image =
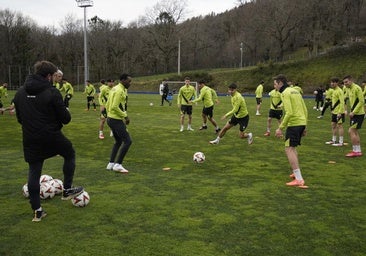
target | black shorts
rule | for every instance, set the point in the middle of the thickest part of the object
(90, 98)
(186, 109)
(337, 120)
(259, 100)
(208, 111)
(275, 114)
(356, 121)
(243, 122)
(293, 135)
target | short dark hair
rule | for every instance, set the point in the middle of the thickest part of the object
(110, 80)
(281, 78)
(102, 81)
(187, 78)
(124, 76)
(202, 81)
(334, 79)
(233, 86)
(44, 68)
(347, 77)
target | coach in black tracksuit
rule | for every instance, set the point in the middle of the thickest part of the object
(42, 113)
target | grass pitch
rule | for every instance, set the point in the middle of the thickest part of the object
(235, 203)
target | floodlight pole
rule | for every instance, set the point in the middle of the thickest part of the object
(241, 55)
(84, 4)
(179, 57)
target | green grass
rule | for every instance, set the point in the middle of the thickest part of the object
(235, 203)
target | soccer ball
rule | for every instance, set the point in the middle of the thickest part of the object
(81, 200)
(151, 104)
(58, 185)
(199, 157)
(315, 92)
(45, 178)
(25, 190)
(46, 190)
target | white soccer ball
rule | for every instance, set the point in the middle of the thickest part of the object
(45, 178)
(199, 157)
(46, 190)
(81, 200)
(58, 185)
(315, 92)
(25, 190)
(151, 104)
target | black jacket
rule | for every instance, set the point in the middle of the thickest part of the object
(40, 110)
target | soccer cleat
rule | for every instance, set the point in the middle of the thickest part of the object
(330, 142)
(110, 166)
(250, 138)
(111, 134)
(217, 130)
(319, 117)
(353, 154)
(101, 136)
(181, 129)
(296, 183)
(119, 168)
(267, 134)
(257, 114)
(203, 127)
(215, 141)
(292, 176)
(190, 129)
(337, 144)
(38, 215)
(71, 193)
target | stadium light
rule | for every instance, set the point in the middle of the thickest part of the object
(84, 4)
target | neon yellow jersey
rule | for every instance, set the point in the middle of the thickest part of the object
(214, 95)
(103, 95)
(275, 100)
(116, 103)
(296, 113)
(205, 96)
(67, 87)
(89, 90)
(239, 109)
(259, 91)
(328, 94)
(3, 92)
(338, 101)
(356, 99)
(186, 93)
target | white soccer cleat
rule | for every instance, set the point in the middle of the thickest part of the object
(190, 129)
(215, 141)
(110, 166)
(250, 138)
(119, 168)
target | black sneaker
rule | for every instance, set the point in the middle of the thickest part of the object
(203, 127)
(217, 130)
(38, 215)
(71, 193)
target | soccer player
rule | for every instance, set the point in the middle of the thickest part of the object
(185, 95)
(69, 91)
(258, 97)
(356, 114)
(338, 116)
(328, 100)
(295, 121)
(103, 97)
(239, 115)
(117, 119)
(57, 80)
(90, 93)
(164, 95)
(41, 112)
(275, 110)
(3, 93)
(208, 105)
